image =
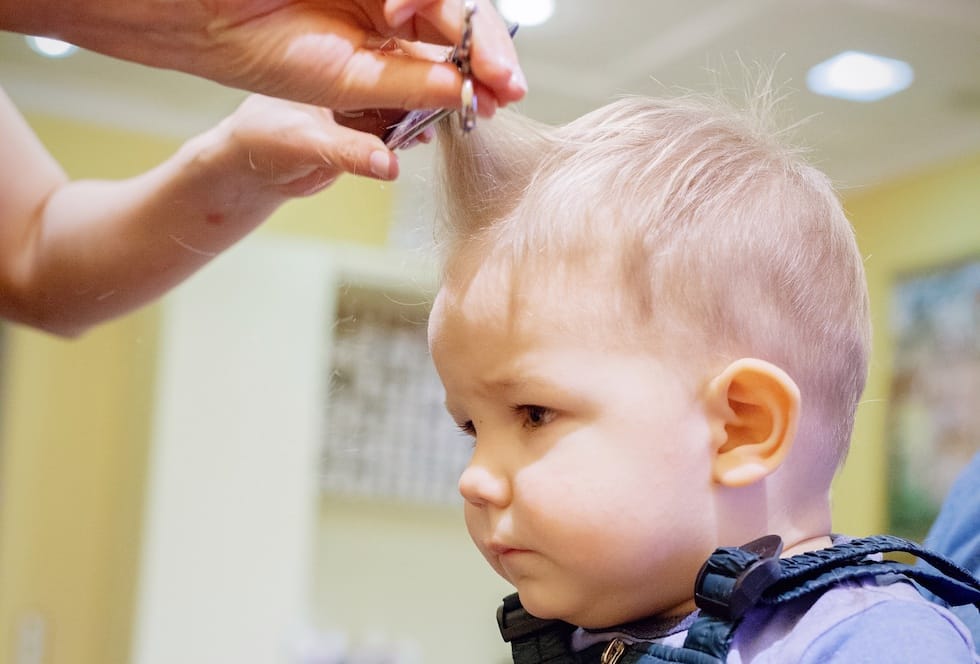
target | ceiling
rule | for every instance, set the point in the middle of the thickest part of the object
(590, 52)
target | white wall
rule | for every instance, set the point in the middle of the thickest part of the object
(232, 489)
(244, 560)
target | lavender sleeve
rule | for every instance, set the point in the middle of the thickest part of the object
(896, 632)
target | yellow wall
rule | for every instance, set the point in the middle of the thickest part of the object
(75, 422)
(905, 226)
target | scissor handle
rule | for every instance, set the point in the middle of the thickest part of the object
(415, 122)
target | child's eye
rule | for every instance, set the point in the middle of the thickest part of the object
(535, 416)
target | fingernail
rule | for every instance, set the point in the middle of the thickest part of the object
(380, 163)
(518, 84)
(488, 107)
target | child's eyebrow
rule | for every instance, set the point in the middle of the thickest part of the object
(499, 384)
(508, 384)
(503, 385)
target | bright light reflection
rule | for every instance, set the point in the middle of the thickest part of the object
(526, 12)
(50, 48)
(858, 76)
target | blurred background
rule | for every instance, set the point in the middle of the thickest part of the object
(257, 469)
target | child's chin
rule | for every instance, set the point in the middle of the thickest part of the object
(543, 607)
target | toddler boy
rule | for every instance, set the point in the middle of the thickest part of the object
(653, 322)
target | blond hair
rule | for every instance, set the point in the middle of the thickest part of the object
(725, 240)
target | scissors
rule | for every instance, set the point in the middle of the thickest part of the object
(415, 122)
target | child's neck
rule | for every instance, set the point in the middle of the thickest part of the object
(809, 544)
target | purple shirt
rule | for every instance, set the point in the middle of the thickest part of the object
(854, 622)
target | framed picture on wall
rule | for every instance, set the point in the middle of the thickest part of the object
(388, 434)
(934, 411)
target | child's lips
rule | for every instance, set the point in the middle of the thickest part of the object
(503, 549)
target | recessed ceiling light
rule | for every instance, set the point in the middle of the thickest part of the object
(858, 76)
(50, 48)
(526, 12)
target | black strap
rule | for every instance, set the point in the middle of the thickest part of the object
(809, 574)
(733, 580)
(955, 584)
(532, 639)
(953, 591)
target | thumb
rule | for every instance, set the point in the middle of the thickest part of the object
(341, 150)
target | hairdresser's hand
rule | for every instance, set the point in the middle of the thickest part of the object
(289, 149)
(333, 53)
(74, 253)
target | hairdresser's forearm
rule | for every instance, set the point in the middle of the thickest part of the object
(162, 33)
(105, 248)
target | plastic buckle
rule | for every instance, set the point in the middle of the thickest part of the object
(720, 594)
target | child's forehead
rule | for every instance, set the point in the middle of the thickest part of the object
(531, 281)
(539, 295)
(542, 302)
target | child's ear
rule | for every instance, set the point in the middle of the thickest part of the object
(753, 407)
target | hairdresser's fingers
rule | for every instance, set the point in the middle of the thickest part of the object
(377, 80)
(298, 149)
(336, 61)
(331, 150)
(493, 58)
(487, 102)
(422, 50)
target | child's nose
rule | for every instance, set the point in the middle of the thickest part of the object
(483, 485)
